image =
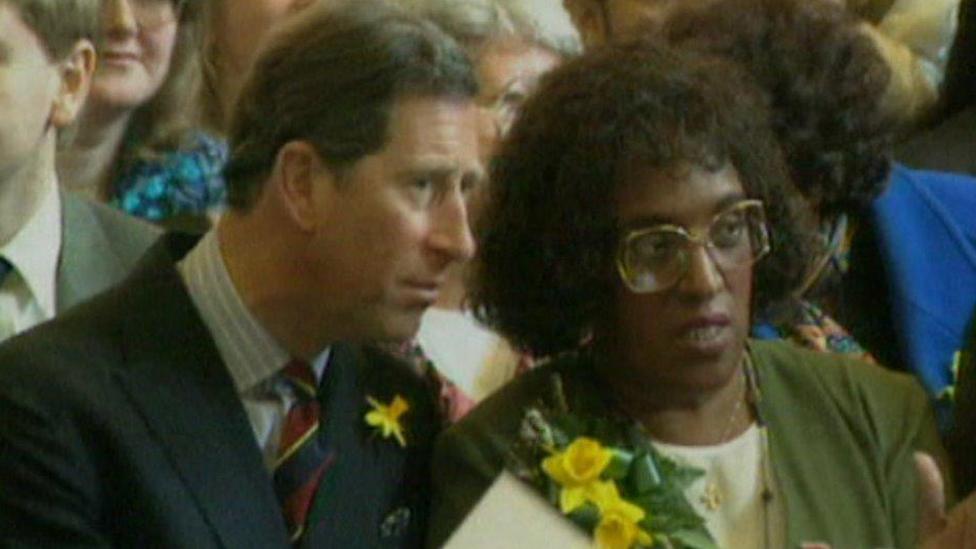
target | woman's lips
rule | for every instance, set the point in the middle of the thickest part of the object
(706, 334)
(119, 57)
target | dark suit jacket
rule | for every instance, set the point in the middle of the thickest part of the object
(119, 425)
(99, 246)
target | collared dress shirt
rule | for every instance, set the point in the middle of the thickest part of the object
(28, 293)
(252, 356)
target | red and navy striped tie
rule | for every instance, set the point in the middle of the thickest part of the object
(302, 455)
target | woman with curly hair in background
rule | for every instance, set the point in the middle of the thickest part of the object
(899, 267)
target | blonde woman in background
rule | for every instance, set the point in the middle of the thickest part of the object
(512, 44)
(137, 146)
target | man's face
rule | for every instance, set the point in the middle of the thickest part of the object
(394, 223)
(29, 83)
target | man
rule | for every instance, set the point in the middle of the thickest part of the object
(208, 401)
(55, 249)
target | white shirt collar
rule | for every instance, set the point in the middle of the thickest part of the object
(251, 354)
(35, 249)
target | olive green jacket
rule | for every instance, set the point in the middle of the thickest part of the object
(841, 433)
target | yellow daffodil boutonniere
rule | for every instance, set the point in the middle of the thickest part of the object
(385, 418)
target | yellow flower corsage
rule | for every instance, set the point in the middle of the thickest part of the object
(385, 418)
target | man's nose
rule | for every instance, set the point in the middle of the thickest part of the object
(451, 234)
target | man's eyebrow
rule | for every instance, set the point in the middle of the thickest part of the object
(439, 170)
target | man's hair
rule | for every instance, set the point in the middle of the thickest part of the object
(476, 23)
(825, 81)
(59, 24)
(331, 78)
(545, 276)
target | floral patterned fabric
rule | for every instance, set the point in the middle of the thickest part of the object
(183, 182)
(809, 326)
(814, 329)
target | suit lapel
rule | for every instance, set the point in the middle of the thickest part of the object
(85, 265)
(187, 398)
(360, 501)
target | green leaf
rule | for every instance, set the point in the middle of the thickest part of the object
(619, 464)
(644, 474)
(587, 516)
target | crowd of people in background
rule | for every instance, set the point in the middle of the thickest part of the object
(300, 272)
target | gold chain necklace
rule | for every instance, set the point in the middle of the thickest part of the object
(712, 498)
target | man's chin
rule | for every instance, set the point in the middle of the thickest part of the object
(402, 327)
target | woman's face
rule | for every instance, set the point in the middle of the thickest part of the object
(688, 336)
(508, 72)
(132, 65)
(240, 25)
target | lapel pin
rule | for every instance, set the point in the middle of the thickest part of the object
(395, 524)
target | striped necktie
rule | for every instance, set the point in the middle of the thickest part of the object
(302, 456)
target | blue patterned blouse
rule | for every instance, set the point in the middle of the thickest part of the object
(187, 181)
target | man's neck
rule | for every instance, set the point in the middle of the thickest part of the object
(88, 165)
(22, 190)
(250, 249)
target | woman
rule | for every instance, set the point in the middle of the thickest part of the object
(626, 236)
(900, 265)
(512, 44)
(136, 146)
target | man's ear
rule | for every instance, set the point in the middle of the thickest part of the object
(589, 18)
(76, 71)
(302, 181)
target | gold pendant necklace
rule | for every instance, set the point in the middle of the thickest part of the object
(712, 497)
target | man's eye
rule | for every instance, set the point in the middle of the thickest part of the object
(423, 183)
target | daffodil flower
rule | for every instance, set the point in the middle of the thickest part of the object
(577, 469)
(619, 526)
(386, 417)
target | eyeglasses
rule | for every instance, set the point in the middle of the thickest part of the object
(505, 105)
(653, 259)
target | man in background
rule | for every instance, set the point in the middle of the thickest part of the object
(55, 249)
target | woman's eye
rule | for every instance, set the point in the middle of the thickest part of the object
(729, 232)
(656, 248)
